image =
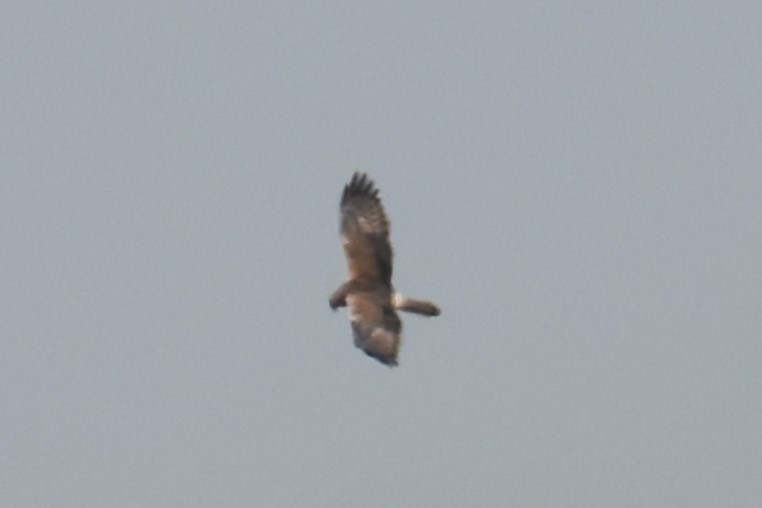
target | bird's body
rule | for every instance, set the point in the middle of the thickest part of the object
(368, 292)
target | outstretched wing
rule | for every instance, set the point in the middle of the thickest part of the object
(365, 232)
(376, 328)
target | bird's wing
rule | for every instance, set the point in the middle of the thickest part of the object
(365, 232)
(376, 328)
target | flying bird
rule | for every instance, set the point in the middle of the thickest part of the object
(368, 292)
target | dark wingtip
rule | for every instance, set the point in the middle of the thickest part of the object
(389, 362)
(359, 185)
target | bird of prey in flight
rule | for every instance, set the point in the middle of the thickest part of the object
(368, 292)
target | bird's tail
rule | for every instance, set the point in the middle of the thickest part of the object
(417, 306)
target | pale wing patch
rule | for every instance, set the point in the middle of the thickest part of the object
(372, 225)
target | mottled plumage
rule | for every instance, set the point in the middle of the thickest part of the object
(368, 292)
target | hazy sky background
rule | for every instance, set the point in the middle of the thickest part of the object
(577, 184)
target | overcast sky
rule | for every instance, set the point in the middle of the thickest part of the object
(577, 184)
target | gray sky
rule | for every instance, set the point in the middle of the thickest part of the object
(577, 184)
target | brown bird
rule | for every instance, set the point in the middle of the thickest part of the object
(368, 292)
